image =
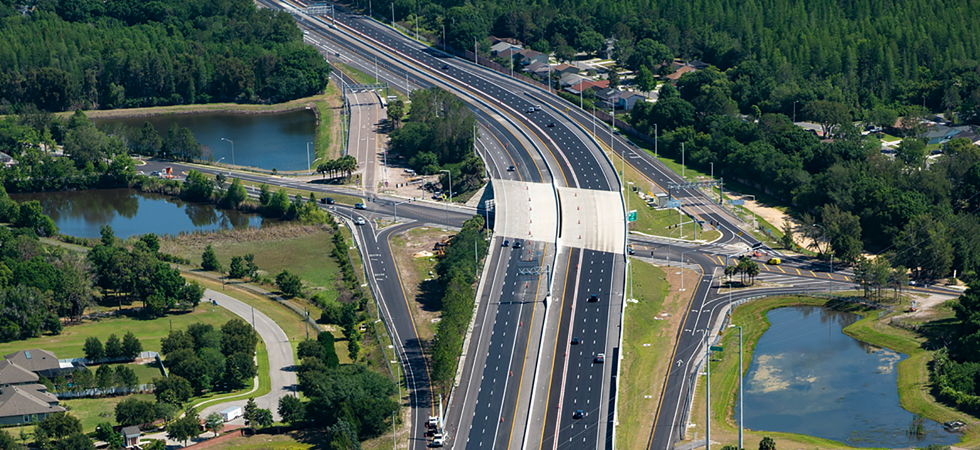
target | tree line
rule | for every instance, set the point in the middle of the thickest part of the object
(203, 358)
(96, 55)
(439, 136)
(862, 53)
(851, 197)
(457, 271)
(138, 274)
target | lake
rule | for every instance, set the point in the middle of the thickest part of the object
(808, 377)
(131, 212)
(268, 141)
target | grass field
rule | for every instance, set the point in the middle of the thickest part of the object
(304, 251)
(70, 342)
(913, 382)
(649, 329)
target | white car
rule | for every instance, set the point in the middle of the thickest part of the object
(360, 221)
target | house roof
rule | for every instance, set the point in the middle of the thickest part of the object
(509, 53)
(586, 84)
(680, 71)
(566, 68)
(570, 79)
(627, 95)
(131, 432)
(17, 401)
(530, 54)
(942, 131)
(35, 360)
(11, 373)
(501, 46)
(607, 93)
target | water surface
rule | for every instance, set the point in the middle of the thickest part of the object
(131, 212)
(269, 141)
(808, 377)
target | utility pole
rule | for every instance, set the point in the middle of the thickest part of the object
(307, 322)
(253, 317)
(682, 161)
(476, 51)
(656, 140)
(393, 14)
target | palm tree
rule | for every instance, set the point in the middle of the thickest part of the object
(730, 272)
(752, 268)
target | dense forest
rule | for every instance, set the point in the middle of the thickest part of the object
(89, 54)
(861, 53)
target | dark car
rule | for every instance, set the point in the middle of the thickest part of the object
(575, 341)
(578, 414)
(506, 243)
(511, 169)
(327, 200)
(359, 206)
(551, 124)
(517, 244)
(445, 67)
(593, 298)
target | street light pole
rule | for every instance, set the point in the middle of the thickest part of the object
(794, 110)
(309, 165)
(656, 140)
(683, 167)
(740, 395)
(450, 191)
(232, 149)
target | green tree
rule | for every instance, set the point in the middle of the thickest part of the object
(236, 194)
(76, 441)
(265, 194)
(125, 377)
(187, 427)
(105, 377)
(113, 347)
(166, 411)
(912, 152)
(767, 444)
(175, 389)
(237, 268)
(396, 110)
(180, 144)
(843, 231)
(291, 285)
(239, 367)
(648, 53)
(292, 410)
(788, 239)
(93, 349)
(590, 42)
(882, 117)
(613, 77)
(214, 423)
(197, 186)
(131, 346)
(645, 80)
(278, 205)
(60, 425)
(209, 260)
(237, 336)
(255, 416)
(830, 115)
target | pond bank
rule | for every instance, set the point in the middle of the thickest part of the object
(912, 377)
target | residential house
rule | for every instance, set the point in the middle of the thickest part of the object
(564, 69)
(131, 437)
(971, 136)
(586, 84)
(7, 160)
(940, 134)
(26, 403)
(607, 98)
(680, 71)
(627, 100)
(570, 79)
(510, 54)
(41, 362)
(501, 46)
(11, 375)
(539, 69)
(531, 56)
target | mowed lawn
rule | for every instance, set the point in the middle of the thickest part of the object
(70, 343)
(306, 255)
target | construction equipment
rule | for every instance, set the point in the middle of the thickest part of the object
(169, 173)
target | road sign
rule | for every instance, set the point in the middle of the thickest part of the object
(673, 204)
(717, 348)
(631, 216)
(736, 202)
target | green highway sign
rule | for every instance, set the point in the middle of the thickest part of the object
(717, 348)
(631, 216)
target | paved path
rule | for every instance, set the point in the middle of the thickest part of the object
(281, 367)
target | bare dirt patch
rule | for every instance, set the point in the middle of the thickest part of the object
(421, 287)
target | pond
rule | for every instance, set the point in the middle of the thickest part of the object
(131, 212)
(808, 377)
(268, 141)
